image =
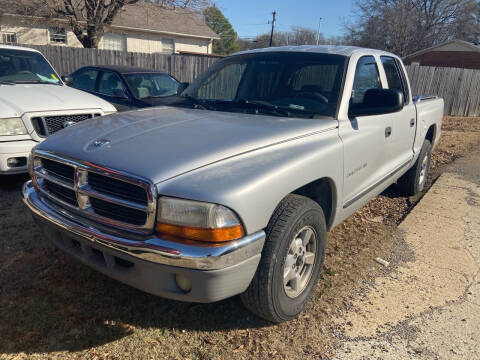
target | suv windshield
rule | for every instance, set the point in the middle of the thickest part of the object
(273, 83)
(25, 67)
(145, 85)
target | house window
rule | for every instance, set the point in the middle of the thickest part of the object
(168, 46)
(58, 35)
(9, 38)
(113, 41)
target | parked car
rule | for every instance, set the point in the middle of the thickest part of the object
(35, 103)
(127, 87)
(235, 194)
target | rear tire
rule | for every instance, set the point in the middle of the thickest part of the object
(291, 262)
(414, 180)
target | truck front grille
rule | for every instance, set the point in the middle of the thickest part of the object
(118, 212)
(48, 125)
(60, 192)
(120, 189)
(55, 168)
(107, 196)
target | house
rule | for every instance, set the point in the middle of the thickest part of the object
(142, 27)
(455, 53)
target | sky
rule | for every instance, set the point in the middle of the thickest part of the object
(249, 17)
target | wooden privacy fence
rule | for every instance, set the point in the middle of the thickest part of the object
(184, 68)
(460, 88)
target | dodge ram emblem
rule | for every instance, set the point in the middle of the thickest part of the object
(68, 123)
(100, 143)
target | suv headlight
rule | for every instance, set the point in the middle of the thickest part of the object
(13, 126)
(197, 220)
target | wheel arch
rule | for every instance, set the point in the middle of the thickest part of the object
(323, 191)
(431, 133)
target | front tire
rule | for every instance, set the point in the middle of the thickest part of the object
(413, 181)
(291, 262)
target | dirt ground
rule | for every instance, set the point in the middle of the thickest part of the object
(54, 307)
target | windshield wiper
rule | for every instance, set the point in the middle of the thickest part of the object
(274, 109)
(197, 103)
(35, 82)
(7, 83)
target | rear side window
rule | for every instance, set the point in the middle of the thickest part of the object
(366, 77)
(394, 77)
(85, 80)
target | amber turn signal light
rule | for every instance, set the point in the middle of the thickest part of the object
(211, 235)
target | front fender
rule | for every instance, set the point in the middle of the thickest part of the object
(253, 184)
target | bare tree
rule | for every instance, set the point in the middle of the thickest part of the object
(298, 35)
(405, 26)
(88, 19)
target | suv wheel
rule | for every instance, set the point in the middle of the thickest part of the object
(291, 261)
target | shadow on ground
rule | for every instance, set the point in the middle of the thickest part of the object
(51, 303)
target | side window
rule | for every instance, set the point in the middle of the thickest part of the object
(85, 80)
(392, 72)
(406, 92)
(366, 77)
(110, 84)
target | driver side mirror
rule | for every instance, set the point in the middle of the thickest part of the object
(182, 87)
(377, 102)
(68, 80)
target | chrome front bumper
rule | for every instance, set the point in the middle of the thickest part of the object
(145, 247)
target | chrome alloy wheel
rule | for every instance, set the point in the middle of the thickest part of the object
(423, 172)
(298, 266)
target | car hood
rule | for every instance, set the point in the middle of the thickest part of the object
(15, 100)
(161, 143)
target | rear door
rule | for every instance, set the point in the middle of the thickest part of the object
(366, 139)
(403, 127)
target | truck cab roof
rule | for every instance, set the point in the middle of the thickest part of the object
(321, 49)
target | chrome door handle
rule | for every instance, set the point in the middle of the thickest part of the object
(412, 122)
(388, 131)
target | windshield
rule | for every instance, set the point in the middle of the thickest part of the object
(283, 84)
(145, 85)
(24, 67)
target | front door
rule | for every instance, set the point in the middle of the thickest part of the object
(366, 139)
(112, 89)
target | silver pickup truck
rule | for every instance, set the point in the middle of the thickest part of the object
(232, 191)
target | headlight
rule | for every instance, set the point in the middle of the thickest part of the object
(197, 220)
(13, 126)
(109, 112)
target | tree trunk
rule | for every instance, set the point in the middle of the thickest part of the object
(92, 38)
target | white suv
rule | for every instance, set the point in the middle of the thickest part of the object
(35, 103)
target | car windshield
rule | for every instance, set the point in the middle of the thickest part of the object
(272, 83)
(146, 85)
(26, 67)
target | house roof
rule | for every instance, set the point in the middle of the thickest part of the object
(465, 44)
(143, 17)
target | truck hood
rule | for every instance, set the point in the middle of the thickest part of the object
(161, 143)
(15, 100)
